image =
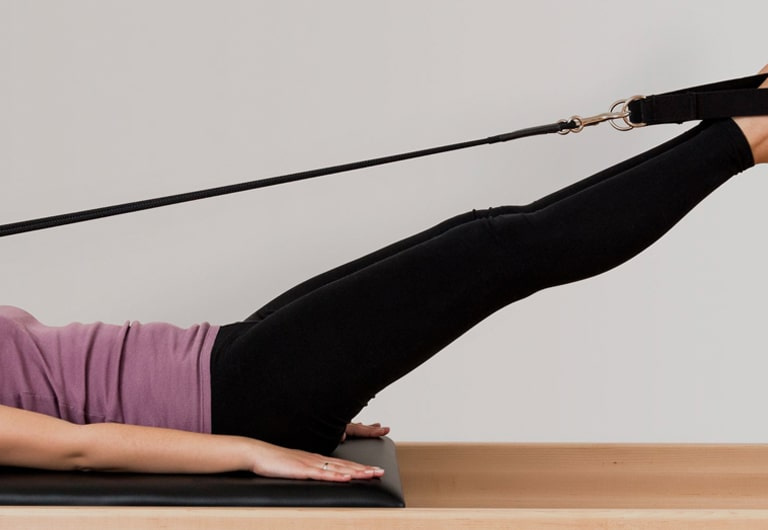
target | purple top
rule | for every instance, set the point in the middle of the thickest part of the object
(142, 374)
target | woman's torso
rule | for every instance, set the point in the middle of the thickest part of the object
(144, 374)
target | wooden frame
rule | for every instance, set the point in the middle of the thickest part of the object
(511, 486)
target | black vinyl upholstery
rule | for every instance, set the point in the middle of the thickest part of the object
(35, 487)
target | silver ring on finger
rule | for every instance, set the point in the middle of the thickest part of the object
(325, 466)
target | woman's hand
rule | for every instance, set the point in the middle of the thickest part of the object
(358, 430)
(275, 461)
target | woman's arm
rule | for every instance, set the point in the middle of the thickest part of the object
(29, 439)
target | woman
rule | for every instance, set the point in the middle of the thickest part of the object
(275, 392)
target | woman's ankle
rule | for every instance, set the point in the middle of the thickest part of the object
(757, 136)
(755, 129)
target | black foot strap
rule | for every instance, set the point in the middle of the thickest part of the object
(725, 99)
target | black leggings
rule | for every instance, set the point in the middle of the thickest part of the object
(299, 369)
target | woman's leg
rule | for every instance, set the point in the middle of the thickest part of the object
(351, 267)
(297, 377)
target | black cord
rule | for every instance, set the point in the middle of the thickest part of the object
(108, 211)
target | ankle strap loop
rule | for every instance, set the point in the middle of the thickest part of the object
(726, 99)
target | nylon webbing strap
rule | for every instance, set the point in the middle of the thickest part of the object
(725, 99)
(737, 97)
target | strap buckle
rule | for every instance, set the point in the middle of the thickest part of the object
(615, 117)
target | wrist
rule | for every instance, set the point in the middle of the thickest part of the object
(251, 454)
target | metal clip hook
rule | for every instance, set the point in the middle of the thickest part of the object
(613, 116)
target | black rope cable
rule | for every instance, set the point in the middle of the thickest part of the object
(119, 209)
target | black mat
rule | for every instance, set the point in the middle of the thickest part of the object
(34, 487)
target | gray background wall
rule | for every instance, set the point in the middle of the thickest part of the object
(106, 101)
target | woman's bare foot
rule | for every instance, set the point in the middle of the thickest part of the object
(755, 129)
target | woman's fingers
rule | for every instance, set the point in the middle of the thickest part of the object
(275, 461)
(346, 468)
(373, 430)
(318, 467)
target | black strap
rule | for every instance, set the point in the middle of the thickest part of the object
(736, 97)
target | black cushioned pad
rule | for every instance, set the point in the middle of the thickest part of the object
(34, 487)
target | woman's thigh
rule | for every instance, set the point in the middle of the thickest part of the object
(299, 376)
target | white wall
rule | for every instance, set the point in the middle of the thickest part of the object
(107, 101)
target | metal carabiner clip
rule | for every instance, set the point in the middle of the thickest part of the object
(614, 117)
